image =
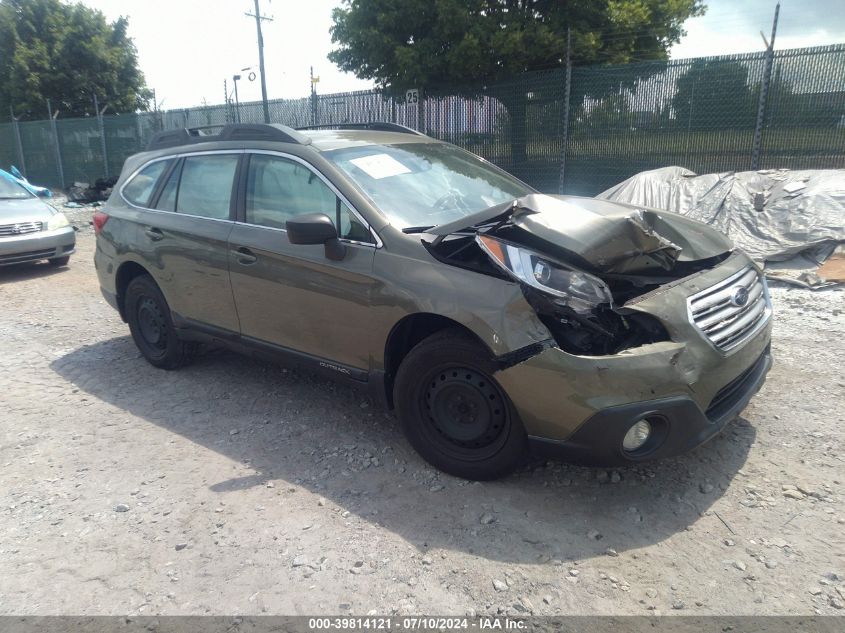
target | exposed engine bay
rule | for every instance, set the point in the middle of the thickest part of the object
(579, 261)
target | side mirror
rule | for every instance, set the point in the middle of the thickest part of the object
(316, 228)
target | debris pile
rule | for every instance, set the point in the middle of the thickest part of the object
(84, 193)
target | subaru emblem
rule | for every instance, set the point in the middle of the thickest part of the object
(739, 297)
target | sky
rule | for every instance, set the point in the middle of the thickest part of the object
(186, 48)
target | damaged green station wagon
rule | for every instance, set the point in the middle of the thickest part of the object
(495, 319)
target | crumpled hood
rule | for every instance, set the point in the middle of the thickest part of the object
(24, 210)
(614, 237)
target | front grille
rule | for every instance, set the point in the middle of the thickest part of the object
(20, 228)
(730, 312)
(29, 256)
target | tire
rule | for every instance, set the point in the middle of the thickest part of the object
(59, 261)
(152, 327)
(454, 413)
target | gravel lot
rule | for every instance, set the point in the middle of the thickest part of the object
(235, 486)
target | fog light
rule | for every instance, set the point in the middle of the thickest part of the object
(636, 436)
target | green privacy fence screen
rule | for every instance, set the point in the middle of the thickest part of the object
(697, 113)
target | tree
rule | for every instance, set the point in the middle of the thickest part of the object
(66, 53)
(485, 45)
(714, 94)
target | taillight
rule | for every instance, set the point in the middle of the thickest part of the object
(100, 220)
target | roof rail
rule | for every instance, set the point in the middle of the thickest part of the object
(228, 132)
(380, 126)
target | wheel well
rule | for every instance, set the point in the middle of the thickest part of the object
(405, 335)
(125, 274)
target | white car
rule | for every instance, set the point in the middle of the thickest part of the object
(31, 229)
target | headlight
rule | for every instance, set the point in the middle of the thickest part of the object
(57, 221)
(575, 289)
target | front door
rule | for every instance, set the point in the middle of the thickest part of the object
(292, 296)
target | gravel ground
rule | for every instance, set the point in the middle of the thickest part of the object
(235, 486)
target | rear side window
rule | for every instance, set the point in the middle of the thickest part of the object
(167, 199)
(139, 189)
(205, 188)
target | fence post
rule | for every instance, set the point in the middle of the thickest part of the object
(567, 91)
(18, 142)
(756, 150)
(102, 129)
(55, 132)
(421, 111)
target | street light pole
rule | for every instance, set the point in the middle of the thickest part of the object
(258, 18)
(237, 103)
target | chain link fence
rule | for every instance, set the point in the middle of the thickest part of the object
(579, 131)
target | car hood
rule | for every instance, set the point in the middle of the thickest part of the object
(607, 236)
(24, 210)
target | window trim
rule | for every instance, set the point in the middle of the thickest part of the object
(239, 190)
(230, 220)
(377, 243)
(155, 192)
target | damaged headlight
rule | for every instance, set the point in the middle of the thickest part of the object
(575, 289)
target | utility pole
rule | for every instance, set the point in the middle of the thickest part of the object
(258, 18)
(764, 95)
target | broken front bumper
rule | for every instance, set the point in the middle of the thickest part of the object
(678, 424)
(580, 407)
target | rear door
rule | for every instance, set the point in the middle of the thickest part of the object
(187, 234)
(292, 296)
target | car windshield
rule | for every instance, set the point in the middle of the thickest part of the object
(426, 184)
(11, 190)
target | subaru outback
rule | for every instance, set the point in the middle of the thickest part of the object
(496, 320)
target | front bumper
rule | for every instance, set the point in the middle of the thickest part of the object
(32, 247)
(678, 424)
(577, 406)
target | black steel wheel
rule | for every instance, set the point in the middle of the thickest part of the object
(151, 326)
(465, 412)
(453, 411)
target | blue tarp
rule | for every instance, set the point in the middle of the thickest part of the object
(16, 176)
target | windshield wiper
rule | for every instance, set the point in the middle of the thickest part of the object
(416, 229)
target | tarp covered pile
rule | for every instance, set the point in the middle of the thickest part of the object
(774, 215)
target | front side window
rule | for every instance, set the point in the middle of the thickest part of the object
(139, 190)
(425, 184)
(279, 189)
(205, 188)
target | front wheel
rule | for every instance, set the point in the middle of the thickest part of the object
(453, 411)
(152, 328)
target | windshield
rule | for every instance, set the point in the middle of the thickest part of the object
(11, 190)
(426, 184)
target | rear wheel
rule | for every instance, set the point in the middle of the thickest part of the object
(453, 411)
(152, 328)
(59, 261)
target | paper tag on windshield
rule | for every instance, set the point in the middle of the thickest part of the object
(380, 166)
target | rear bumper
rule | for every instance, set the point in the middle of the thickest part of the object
(678, 424)
(32, 247)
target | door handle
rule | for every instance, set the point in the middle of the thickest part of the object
(244, 256)
(154, 234)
